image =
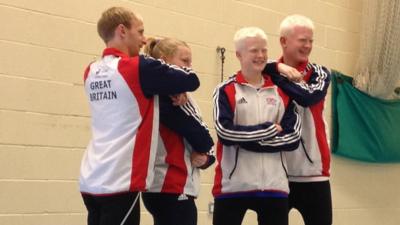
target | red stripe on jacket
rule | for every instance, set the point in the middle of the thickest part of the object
(141, 153)
(230, 92)
(320, 133)
(175, 178)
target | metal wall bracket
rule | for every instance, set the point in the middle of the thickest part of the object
(221, 52)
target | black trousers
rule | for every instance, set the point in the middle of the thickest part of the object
(170, 209)
(270, 211)
(313, 200)
(120, 209)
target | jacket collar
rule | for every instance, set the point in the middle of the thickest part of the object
(302, 68)
(241, 80)
(114, 51)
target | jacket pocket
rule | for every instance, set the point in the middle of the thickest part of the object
(305, 151)
(236, 162)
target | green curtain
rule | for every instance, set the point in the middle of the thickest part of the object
(364, 127)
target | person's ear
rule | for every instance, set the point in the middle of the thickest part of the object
(120, 30)
(283, 41)
(238, 55)
(164, 58)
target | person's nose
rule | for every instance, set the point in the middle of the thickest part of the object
(261, 54)
(308, 44)
(144, 40)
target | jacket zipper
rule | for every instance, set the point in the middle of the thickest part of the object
(283, 166)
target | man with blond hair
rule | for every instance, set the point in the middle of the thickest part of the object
(307, 83)
(122, 89)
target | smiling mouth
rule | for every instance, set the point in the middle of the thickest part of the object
(304, 52)
(260, 62)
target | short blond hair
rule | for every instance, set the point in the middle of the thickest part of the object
(247, 32)
(166, 47)
(111, 18)
(293, 21)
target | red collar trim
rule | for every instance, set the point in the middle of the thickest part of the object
(114, 51)
(301, 68)
(241, 80)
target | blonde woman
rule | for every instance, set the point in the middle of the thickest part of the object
(183, 146)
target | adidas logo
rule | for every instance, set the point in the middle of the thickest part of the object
(242, 101)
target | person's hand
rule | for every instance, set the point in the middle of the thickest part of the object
(289, 72)
(279, 128)
(179, 99)
(198, 159)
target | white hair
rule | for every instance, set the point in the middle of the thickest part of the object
(247, 32)
(293, 21)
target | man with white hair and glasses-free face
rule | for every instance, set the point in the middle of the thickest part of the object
(255, 121)
(307, 83)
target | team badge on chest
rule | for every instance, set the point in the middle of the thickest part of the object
(271, 101)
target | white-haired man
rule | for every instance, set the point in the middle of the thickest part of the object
(307, 83)
(254, 121)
